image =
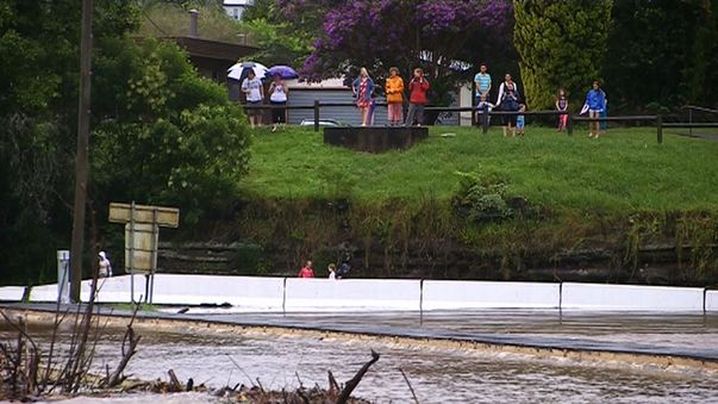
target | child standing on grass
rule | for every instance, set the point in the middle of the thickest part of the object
(484, 107)
(521, 122)
(562, 106)
(595, 104)
(395, 97)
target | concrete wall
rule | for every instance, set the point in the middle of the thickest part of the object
(630, 297)
(257, 292)
(11, 293)
(352, 294)
(440, 295)
(293, 294)
(711, 300)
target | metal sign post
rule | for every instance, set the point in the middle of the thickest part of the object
(142, 228)
(63, 276)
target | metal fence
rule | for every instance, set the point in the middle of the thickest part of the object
(482, 118)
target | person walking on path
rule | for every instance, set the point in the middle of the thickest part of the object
(394, 97)
(307, 271)
(363, 88)
(332, 271)
(254, 93)
(105, 265)
(278, 93)
(508, 101)
(595, 104)
(562, 106)
(418, 87)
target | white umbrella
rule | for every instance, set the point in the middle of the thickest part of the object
(238, 71)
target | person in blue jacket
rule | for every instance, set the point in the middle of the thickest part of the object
(595, 103)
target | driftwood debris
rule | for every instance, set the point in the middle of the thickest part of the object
(354, 381)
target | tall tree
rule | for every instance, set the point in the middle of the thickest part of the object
(655, 57)
(407, 34)
(561, 44)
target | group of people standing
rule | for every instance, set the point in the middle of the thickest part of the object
(307, 270)
(509, 100)
(363, 88)
(253, 88)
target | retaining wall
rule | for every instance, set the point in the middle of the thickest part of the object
(711, 302)
(446, 295)
(588, 296)
(11, 293)
(352, 294)
(294, 294)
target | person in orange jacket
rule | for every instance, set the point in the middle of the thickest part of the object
(418, 87)
(395, 97)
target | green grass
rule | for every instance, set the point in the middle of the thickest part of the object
(626, 170)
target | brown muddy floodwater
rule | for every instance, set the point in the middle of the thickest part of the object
(439, 374)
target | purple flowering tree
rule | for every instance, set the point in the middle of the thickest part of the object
(379, 34)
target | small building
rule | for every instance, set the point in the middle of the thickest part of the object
(213, 58)
(235, 8)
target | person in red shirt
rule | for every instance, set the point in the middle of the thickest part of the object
(418, 87)
(307, 271)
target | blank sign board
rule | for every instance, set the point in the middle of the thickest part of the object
(160, 215)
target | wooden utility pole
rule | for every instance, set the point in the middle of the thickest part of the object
(82, 160)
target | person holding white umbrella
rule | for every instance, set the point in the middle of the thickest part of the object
(254, 93)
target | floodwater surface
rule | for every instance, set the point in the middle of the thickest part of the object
(441, 374)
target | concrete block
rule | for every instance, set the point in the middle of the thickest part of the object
(712, 300)
(450, 295)
(589, 296)
(11, 293)
(352, 294)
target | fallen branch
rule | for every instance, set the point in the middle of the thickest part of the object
(175, 385)
(129, 349)
(354, 381)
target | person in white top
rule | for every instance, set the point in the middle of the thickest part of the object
(278, 93)
(105, 265)
(254, 93)
(332, 271)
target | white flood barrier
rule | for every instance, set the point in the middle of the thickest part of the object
(352, 294)
(261, 293)
(586, 296)
(11, 293)
(711, 300)
(450, 295)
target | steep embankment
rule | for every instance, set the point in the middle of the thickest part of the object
(547, 206)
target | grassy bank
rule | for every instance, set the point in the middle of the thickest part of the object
(622, 208)
(627, 170)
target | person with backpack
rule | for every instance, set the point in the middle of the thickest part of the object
(344, 269)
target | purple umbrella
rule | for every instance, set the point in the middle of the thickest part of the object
(285, 72)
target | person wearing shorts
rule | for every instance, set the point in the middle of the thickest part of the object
(254, 93)
(278, 93)
(596, 103)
